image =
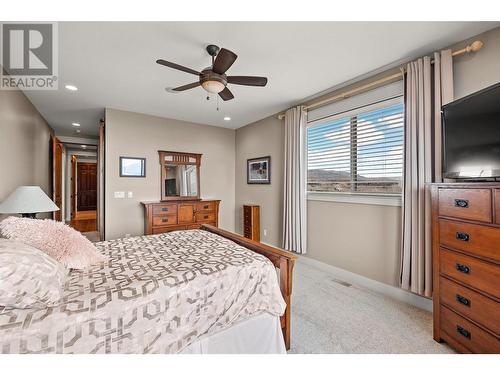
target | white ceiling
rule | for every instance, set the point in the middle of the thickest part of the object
(113, 65)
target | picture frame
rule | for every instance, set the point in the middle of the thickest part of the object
(259, 171)
(132, 166)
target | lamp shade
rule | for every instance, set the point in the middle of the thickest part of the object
(27, 199)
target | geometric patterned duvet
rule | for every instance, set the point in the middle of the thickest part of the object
(156, 294)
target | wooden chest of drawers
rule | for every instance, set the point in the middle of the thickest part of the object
(160, 217)
(466, 265)
(251, 222)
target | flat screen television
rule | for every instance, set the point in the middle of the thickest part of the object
(471, 136)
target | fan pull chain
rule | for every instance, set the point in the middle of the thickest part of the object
(217, 103)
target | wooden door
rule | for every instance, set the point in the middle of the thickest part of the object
(186, 213)
(86, 186)
(100, 181)
(73, 186)
(57, 152)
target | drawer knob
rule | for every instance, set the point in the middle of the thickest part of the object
(462, 203)
(205, 206)
(164, 209)
(205, 217)
(463, 300)
(463, 332)
(462, 268)
(462, 236)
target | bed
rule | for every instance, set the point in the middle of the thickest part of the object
(194, 291)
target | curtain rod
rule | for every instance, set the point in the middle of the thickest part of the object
(474, 47)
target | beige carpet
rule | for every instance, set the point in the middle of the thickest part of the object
(328, 317)
(92, 236)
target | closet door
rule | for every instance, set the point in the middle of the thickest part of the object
(57, 153)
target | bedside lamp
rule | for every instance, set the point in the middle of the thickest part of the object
(27, 201)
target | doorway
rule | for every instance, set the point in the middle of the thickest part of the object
(76, 181)
(82, 179)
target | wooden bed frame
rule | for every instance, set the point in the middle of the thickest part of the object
(281, 259)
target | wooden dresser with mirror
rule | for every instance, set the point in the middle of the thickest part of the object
(180, 207)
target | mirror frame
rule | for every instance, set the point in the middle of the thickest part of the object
(179, 158)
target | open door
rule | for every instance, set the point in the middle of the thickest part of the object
(57, 156)
(100, 181)
(73, 187)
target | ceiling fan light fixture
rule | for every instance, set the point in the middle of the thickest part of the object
(213, 86)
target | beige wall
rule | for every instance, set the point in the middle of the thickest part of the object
(24, 145)
(139, 135)
(475, 71)
(360, 238)
(262, 138)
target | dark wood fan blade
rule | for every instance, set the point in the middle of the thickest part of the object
(225, 58)
(226, 94)
(247, 80)
(177, 66)
(187, 87)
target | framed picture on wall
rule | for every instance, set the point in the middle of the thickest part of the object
(259, 170)
(132, 167)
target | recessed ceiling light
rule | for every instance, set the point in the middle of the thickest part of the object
(75, 124)
(71, 88)
(83, 146)
(227, 118)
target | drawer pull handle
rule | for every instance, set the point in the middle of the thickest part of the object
(463, 300)
(462, 236)
(205, 217)
(205, 206)
(463, 332)
(164, 209)
(462, 268)
(164, 220)
(462, 203)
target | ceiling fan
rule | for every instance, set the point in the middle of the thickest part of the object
(213, 79)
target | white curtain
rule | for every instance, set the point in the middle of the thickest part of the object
(427, 88)
(294, 200)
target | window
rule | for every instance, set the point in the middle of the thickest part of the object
(358, 153)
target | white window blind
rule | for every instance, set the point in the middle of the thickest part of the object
(360, 151)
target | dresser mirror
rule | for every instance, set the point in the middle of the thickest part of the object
(180, 175)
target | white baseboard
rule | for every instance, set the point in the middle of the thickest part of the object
(385, 289)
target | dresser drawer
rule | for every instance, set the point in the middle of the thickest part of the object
(205, 216)
(472, 204)
(205, 206)
(475, 306)
(476, 273)
(164, 209)
(164, 220)
(476, 239)
(468, 334)
(247, 220)
(247, 228)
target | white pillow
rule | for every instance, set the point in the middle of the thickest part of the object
(29, 278)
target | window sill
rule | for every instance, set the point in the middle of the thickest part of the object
(356, 198)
